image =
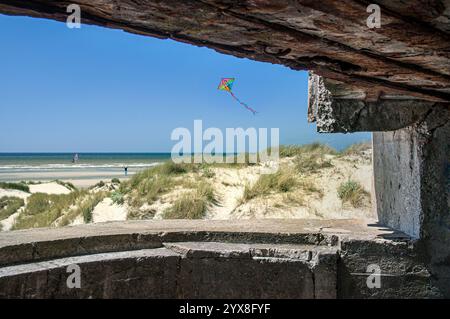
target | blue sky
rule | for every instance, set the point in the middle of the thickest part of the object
(100, 90)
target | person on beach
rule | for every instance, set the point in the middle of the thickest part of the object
(126, 171)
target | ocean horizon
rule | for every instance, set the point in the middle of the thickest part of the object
(89, 168)
(59, 160)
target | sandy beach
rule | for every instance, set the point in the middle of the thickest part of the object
(305, 184)
(80, 179)
(82, 170)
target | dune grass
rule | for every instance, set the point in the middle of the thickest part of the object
(117, 197)
(84, 208)
(282, 181)
(311, 163)
(314, 148)
(87, 206)
(352, 192)
(356, 148)
(193, 204)
(17, 186)
(67, 185)
(9, 206)
(309, 188)
(43, 210)
(148, 185)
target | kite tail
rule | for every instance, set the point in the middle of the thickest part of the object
(243, 104)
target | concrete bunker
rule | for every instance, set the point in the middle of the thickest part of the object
(382, 80)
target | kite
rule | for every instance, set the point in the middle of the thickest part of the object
(226, 84)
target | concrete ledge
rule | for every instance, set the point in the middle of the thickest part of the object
(41, 244)
(213, 259)
(205, 270)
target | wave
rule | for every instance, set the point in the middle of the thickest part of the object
(76, 166)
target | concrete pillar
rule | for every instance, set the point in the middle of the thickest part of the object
(412, 184)
(411, 158)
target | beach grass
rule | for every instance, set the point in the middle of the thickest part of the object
(9, 206)
(67, 185)
(356, 148)
(282, 181)
(16, 186)
(352, 192)
(192, 205)
(307, 163)
(117, 197)
(88, 205)
(313, 148)
(85, 208)
(43, 210)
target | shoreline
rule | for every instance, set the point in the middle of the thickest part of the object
(79, 178)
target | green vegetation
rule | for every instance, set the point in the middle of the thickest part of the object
(115, 181)
(310, 188)
(356, 148)
(67, 185)
(147, 186)
(43, 209)
(85, 208)
(192, 205)
(282, 181)
(136, 214)
(314, 148)
(311, 163)
(17, 186)
(117, 197)
(353, 193)
(9, 206)
(208, 172)
(88, 206)
(99, 185)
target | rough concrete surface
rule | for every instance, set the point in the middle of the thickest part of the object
(284, 260)
(411, 186)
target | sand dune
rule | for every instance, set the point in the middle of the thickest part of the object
(49, 188)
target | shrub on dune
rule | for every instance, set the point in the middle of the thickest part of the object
(17, 186)
(353, 193)
(9, 206)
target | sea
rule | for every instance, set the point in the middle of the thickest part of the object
(51, 166)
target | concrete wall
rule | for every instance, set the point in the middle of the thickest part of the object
(215, 259)
(411, 169)
(397, 180)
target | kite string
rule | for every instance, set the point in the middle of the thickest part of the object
(242, 103)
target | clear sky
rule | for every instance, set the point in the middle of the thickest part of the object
(100, 90)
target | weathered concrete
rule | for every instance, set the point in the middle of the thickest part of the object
(340, 108)
(411, 185)
(44, 243)
(132, 274)
(405, 56)
(253, 259)
(204, 270)
(404, 271)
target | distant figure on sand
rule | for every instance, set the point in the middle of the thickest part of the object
(126, 171)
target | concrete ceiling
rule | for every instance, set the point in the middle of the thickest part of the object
(408, 56)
